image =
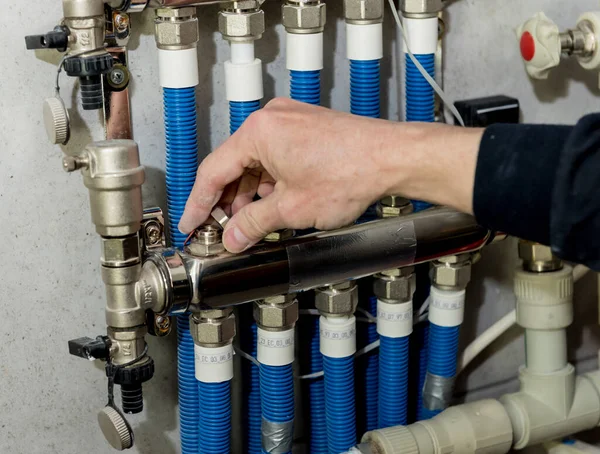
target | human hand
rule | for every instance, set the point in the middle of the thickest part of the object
(311, 166)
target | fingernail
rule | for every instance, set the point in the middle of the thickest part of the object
(234, 240)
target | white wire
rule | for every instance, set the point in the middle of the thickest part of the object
(424, 306)
(247, 356)
(363, 351)
(310, 376)
(448, 102)
(366, 313)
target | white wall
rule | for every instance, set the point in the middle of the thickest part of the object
(51, 289)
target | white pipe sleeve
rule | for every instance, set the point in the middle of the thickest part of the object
(304, 52)
(178, 68)
(275, 348)
(244, 82)
(546, 351)
(394, 320)
(446, 307)
(242, 53)
(422, 35)
(337, 336)
(364, 42)
(213, 364)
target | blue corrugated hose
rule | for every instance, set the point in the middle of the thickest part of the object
(305, 86)
(365, 88)
(182, 163)
(422, 333)
(420, 99)
(393, 381)
(239, 111)
(277, 394)
(340, 405)
(443, 355)
(316, 387)
(372, 372)
(215, 417)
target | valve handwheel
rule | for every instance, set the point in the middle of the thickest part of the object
(540, 45)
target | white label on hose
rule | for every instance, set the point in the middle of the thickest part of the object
(304, 52)
(364, 42)
(214, 364)
(244, 82)
(275, 348)
(394, 320)
(338, 336)
(178, 68)
(446, 307)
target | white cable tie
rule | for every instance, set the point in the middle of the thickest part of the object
(368, 348)
(310, 376)
(424, 306)
(448, 102)
(247, 356)
(370, 317)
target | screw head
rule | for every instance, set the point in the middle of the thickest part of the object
(117, 76)
(121, 21)
(153, 234)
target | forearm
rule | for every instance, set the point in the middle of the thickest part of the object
(438, 166)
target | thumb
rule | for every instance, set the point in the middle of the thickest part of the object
(252, 223)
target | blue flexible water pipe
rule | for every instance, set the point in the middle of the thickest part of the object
(182, 163)
(305, 86)
(239, 111)
(443, 355)
(339, 403)
(393, 381)
(215, 417)
(422, 338)
(316, 390)
(371, 373)
(365, 88)
(277, 394)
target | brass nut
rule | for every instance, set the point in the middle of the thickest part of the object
(363, 10)
(280, 235)
(168, 13)
(213, 314)
(304, 18)
(213, 331)
(451, 276)
(396, 288)
(176, 34)
(242, 26)
(340, 299)
(534, 252)
(393, 206)
(204, 250)
(280, 315)
(118, 252)
(429, 7)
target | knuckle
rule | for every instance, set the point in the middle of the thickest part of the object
(252, 223)
(279, 103)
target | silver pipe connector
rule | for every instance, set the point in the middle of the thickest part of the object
(364, 12)
(176, 28)
(421, 9)
(242, 21)
(303, 18)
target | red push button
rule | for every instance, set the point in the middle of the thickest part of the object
(527, 46)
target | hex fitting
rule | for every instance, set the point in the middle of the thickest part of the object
(304, 17)
(393, 206)
(363, 12)
(278, 313)
(452, 272)
(176, 28)
(206, 241)
(395, 286)
(126, 344)
(213, 328)
(242, 23)
(420, 9)
(538, 258)
(279, 235)
(337, 299)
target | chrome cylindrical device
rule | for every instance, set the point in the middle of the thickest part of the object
(114, 176)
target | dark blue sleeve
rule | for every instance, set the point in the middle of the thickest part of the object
(542, 183)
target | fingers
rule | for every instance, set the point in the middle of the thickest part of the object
(220, 168)
(246, 190)
(252, 223)
(266, 185)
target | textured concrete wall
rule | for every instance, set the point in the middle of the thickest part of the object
(51, 289)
